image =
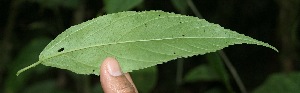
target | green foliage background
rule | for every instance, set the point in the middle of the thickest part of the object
(27, 26)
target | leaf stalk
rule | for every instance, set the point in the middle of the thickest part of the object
(24, 69)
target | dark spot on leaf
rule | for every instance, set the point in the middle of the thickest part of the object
(158, 15)
(174, 53)
(180, 22)
(183, 35)
(61, 49)
(93, 70)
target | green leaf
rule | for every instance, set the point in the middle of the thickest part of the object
(137, 40)
(113, 6)
(281, 83)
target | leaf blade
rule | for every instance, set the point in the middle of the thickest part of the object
(137, 40)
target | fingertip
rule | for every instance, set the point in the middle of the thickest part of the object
(111, 65)
(106, 61)
(113, 80)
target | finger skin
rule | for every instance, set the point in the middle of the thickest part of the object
(115, 84)
(130, 80)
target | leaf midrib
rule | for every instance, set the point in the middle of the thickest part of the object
(145, 41)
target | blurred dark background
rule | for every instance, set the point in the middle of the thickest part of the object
(27, 26)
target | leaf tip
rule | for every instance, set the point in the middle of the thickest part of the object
(20, 71)
(275, 49)
(272, 47)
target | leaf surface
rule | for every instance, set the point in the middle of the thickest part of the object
(137, 40)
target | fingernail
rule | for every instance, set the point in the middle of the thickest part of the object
(114, 67)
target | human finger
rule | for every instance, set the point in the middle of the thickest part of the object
(113, 80)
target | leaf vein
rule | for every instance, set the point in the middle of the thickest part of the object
(145, 41)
